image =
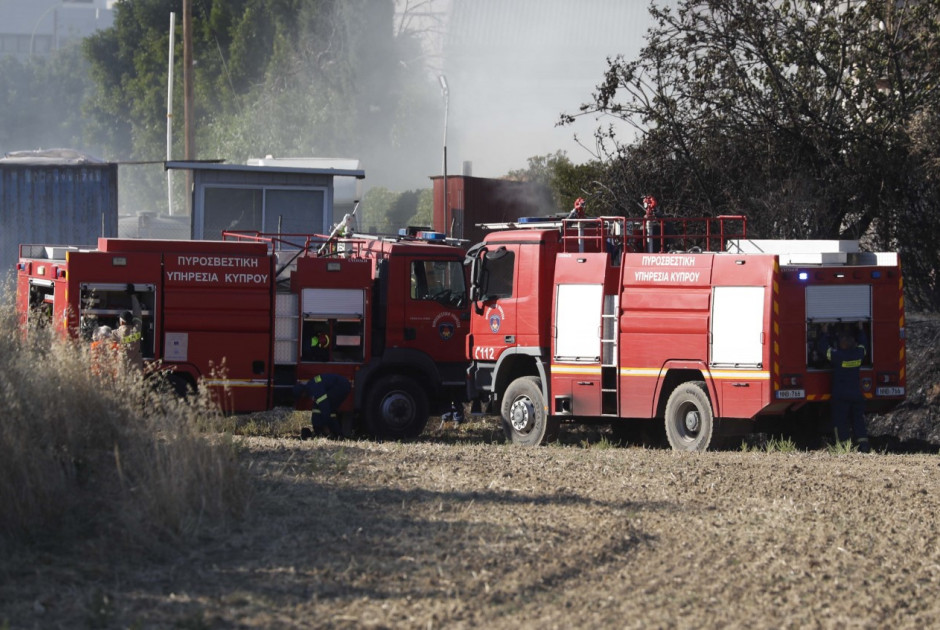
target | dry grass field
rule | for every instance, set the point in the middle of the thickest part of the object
(456, 530)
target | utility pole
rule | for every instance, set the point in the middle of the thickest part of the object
(189, 145)
(445, 92)
(169, 113)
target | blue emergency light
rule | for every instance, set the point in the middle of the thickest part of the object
(535, 219)
(803, 275)
(431, 236)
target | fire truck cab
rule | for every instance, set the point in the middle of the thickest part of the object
(250, 317)
(683, 322)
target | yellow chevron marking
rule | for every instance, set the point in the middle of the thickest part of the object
(761, 375)
(741, 375)
(235, 383)
(593, 370)
(640, 371)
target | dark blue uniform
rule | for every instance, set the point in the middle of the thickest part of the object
(848, 402)
(328, 391)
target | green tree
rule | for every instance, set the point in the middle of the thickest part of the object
(802, 114)
(280, 77)
(372, 216)
(42, 101)
(383, 211)
(424, 214)
(567, 181)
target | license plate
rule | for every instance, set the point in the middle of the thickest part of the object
(788, 394)
(889, 391)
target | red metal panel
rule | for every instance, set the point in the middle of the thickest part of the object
(664, 270)
(740, 395)
(225, 362)
(526, 317)
(233, 248)
(331, 273)
(664, 318)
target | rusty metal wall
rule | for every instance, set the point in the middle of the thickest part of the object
(473, 200)
(55, 204)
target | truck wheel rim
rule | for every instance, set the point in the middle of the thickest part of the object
(692, 421)
(522, 414)
(398, 409)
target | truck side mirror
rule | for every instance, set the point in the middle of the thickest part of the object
(475, 258)
(476, 273)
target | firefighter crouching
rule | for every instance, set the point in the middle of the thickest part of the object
(327, 391)
(847, 402)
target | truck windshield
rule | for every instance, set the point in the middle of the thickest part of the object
(438, 280)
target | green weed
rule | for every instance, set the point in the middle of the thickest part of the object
(602, 444)
(780, 445)
(841, 447)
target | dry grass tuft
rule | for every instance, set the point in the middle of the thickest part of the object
(91, 452)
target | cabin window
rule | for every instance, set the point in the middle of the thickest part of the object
(498, 281)
(438, 280)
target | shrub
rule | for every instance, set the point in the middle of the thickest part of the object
(92, 451)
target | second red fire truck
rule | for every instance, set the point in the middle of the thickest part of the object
(251, 317)
(681, 322)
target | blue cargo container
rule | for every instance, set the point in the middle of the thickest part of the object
(60, 198)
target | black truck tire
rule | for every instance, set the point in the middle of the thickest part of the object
(524, 416)
(396, 408)
(690, 421)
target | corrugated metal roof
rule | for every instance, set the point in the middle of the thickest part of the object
(55, 204)
(251, 168)
(49, 156)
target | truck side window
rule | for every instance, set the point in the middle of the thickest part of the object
(315, 340)
(102, 304)
(438, 280)
(499, 275)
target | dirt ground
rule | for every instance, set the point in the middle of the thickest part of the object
(469, 534)
(461, 531)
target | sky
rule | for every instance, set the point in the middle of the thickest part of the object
(514, 66)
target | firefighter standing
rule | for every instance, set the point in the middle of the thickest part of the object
(327, 391)
(128, 336)
(847, 403)
(102, 350)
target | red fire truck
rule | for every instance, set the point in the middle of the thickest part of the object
(250, 317)
(679, 321)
